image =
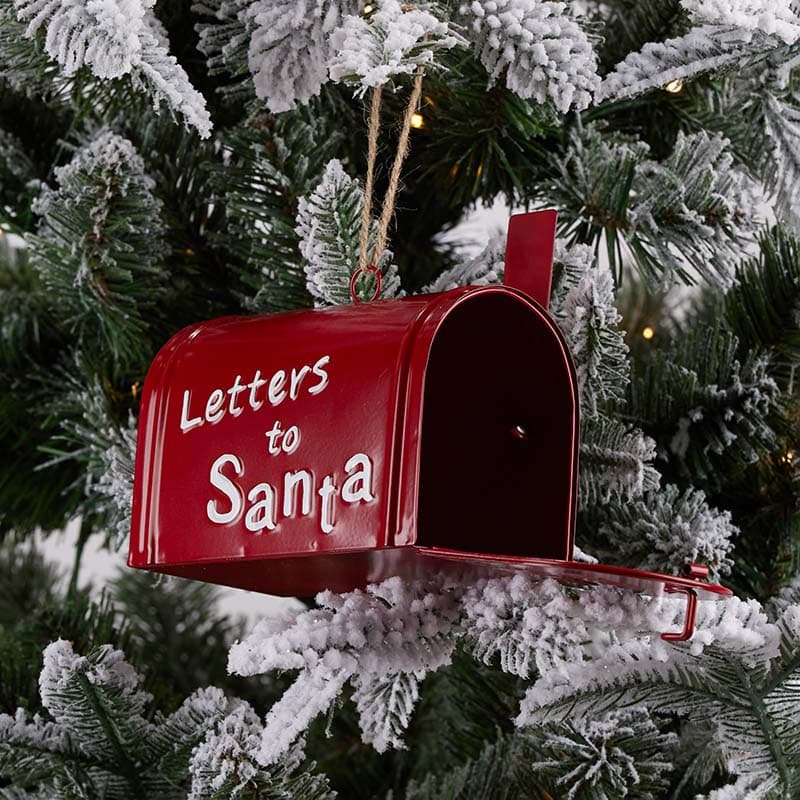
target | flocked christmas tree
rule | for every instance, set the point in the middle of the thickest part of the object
(167, 163)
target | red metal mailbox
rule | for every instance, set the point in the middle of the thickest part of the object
(331, 448)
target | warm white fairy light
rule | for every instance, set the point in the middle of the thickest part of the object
(674, 86)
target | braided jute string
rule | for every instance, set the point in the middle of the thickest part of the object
(372, 149)
(394, 178)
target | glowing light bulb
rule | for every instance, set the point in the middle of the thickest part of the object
(674, 86)
(788, 457)
(648, 333)
(417, 120)
(368, 9)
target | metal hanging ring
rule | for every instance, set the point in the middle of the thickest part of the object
(378, 283)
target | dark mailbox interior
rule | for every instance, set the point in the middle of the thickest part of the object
(497, 434)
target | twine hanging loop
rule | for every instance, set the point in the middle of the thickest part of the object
(367, 265)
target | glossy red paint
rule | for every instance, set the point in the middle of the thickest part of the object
(331, 448)
(409, 381)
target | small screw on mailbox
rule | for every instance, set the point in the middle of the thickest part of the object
(332, 448)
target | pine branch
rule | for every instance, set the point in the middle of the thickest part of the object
(385, 705)
(34, 610)
(761, 308)
(329, 225)
(41, 126)
(200, 282)
(538, 50)
(705, 407)
(287, 49)
(489, 776)
(628, 25)
(26, 327)
(114, 40)
(467, 696)
(270, 166)
(584, 307)
(723, 37)
(621, 753)
(760, 492)
(77, 82)
(752, 698)
(763, 501)
(99, 248)
(180, 618)
(283, 644)
(30, 496)
(691, 210)
(615, 462)
(223, 767)
(394, 40)
(395, 628)
(103, 447)
(99, 739)
(224, 37)
(728, 106)
(475, 144)
(28, 582)
(23, 62)
(485, 269)
(17, 178)
(665, 530)
(782, 124)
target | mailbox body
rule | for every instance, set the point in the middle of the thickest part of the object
(432, 427)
